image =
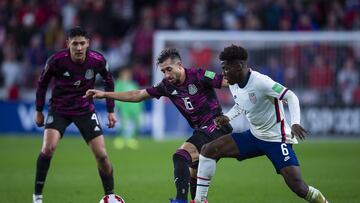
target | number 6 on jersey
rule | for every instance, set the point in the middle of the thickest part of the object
(188, 103)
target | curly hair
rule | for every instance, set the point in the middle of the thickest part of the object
(168, 53)
(233, 52)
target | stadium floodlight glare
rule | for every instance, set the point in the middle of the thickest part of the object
(219, 39)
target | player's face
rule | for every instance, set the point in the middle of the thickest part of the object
(171, 70)
(78, 46)
(231, 72)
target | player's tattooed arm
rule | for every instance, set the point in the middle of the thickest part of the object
(130, 96)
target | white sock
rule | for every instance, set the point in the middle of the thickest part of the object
(315, 196)
(206, 171)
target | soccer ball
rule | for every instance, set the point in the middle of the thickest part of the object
(113, 198)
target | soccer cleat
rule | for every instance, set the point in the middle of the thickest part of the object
(178, 201)
(37, 198)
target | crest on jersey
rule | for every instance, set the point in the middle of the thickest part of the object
(192, 89)
(89, 74)
(252, 97)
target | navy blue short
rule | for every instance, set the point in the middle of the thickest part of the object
(280, 154)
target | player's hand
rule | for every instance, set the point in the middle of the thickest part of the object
(112, 120)
(221, 121)
(96, 94)
(298, 131)
(39, 119)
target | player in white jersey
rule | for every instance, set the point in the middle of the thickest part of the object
(260, 99)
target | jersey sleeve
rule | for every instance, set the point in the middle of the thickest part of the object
(210, 78)
(157, 90)
(272, 88)
(43, 82)
(108, 84)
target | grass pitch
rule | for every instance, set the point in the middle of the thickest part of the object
(145, 175)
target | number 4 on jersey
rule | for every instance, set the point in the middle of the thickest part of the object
(77, 83)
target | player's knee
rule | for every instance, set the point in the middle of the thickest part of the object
(182, 154)
(48, 150)
(208, 151)
(103, 159)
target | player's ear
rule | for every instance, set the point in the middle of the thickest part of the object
(87, 42)
(179, 64)
(68, 43)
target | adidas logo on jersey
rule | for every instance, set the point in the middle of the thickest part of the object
(174, 92)
(66, 74)
(96, 128)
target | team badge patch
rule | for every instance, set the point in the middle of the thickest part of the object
(89, 74)
(210, 74)
(192, 89)
(278, 88)
(252, 97)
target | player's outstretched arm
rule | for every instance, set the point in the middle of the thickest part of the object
(130, 96)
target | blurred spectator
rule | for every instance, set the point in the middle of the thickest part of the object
(11, 69)
(124, 29)
(291, 75)
(305, 23)
(34, 58)
(118, 53)
(348, 79)
(321, 79)
(273, 69)
(252, 22)
(181, 14)
(69, 12)
(143, 36)
(321, 76)
(201, 56)
(53, 33)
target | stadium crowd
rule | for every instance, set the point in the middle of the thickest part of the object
(31, 30)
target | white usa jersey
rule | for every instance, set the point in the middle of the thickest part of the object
(260, 101)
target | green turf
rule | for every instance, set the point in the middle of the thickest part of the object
(145, 175)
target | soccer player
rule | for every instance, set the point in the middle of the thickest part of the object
(192, 92)
(73, 70)
(260, 99)
(129, 112)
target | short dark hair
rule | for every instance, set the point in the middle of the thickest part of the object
(233, 53)
(171, 53)
(77, 31)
